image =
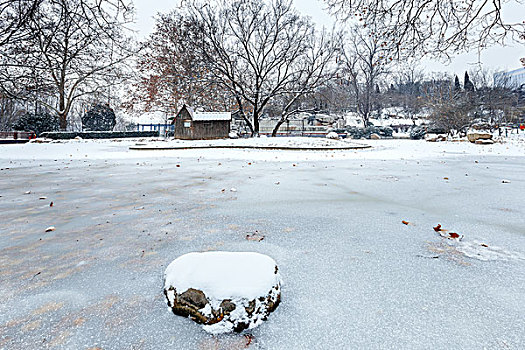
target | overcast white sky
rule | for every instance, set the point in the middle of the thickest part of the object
(504, 58)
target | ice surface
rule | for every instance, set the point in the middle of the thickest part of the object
(223, 275)
(356, 277)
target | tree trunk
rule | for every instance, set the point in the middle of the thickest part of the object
(62, 114)
(255, 124)
(277, 126)
(250, 126)
(244, 117)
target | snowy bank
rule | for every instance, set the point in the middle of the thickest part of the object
(381, 149)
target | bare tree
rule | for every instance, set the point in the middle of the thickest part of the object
(256, 50)
(316, 68)
(74, 49)
(406, 89)
(435, 26)
(450, 109)
(364, 61)
(171, 73)
(14, 17)
(497, 99)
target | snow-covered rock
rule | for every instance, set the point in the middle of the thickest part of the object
(233, 135)
(474, 135)
(223, 291)
(332, 135)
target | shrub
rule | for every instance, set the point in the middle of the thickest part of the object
(37, 122)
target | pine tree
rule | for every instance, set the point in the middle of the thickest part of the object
(467, 83)
(457, 85)
(100, 117)
(37, 122)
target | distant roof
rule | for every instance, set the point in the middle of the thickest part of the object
(205, 116)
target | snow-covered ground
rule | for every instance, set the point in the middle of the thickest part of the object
(355, 275)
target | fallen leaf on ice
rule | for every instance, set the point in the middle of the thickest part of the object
(51, 204)
(447, 234)
(249, 339)
(405, 222)
(50, 228)
(277, 183)
(505, 181)
(43, 197)
(27, 192)
(453, 234)
(445, 178)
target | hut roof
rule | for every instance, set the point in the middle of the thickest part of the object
(208, 116)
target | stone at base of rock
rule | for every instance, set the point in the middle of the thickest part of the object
(375, 137)
(229, 315)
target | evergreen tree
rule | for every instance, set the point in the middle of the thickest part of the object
(457, 85)
(467, 83)
(99, 118)
(37, 122)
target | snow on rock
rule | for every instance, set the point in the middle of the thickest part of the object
(224, 291)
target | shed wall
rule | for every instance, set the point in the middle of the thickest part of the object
(199, 130)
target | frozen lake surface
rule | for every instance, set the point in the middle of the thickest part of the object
(354, 275)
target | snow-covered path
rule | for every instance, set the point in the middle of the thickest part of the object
(354, 275)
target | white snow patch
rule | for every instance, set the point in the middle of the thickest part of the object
(332, 135)
(223, 275)
(481, 251)
(382, 149)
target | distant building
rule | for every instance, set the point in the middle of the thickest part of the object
(191, 125)
(514, 79)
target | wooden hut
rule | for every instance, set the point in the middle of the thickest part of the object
(191, 125)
